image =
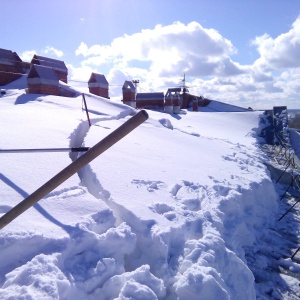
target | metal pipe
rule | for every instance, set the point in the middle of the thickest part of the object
(74, 167)
(73, 149)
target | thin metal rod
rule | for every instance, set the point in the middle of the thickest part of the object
(74, 167)
(283, 172)
(86, 110)
(287, 189)
(73, 149)
(295, 253)
(289, 210)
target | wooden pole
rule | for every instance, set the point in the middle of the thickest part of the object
(74, 167)
(86, 110)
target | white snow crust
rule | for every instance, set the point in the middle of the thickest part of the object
(172, 211)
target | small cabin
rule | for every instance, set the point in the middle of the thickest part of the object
(11, 66)
(98, 85)
(148, 100)
(129, 93)
(57, 65)
(42, 80)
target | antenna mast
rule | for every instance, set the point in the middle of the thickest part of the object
(185, 88)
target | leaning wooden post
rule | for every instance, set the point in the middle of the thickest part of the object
(74, 167)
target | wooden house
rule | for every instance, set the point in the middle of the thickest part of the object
(98, 85)
(57, 65)
(11, 66)
(42, 80)
(129, 93)
(149, 100)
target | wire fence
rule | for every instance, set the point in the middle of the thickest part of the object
(284, 157)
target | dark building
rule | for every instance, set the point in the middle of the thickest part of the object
(57, 65)
(98, 85)
(148, 100)
(129, 93)
(11, 66)
(42, 80)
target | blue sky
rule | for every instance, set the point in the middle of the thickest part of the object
(237, 51)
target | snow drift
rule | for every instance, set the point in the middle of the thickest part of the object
(166, 213)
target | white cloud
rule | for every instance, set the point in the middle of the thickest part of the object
(52, 51)
(27, 55)
(82, 50)
(159, 56)
(281, 52)
(49, 51)
(170, 50)
(81, 73)
(78, 77)
(289, 82)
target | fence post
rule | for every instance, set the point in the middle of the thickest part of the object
(86, 110)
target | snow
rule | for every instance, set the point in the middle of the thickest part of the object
(175, 210)
(217, 106)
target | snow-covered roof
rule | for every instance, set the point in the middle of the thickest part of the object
(217, 106)
(7, 57)
(150, 96)
(129, 86)
(42, 75)
(98, 80)
(56, 64)
(173, 92)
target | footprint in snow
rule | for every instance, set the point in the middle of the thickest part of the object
(189, 194)
(99, 222)
(164, 209)
(230, 157)
(222, 190)
(150, 185)
(175, 188)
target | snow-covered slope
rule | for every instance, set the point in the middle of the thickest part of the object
(166, 213)
(217, 106)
